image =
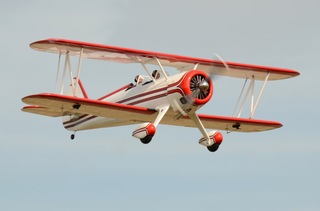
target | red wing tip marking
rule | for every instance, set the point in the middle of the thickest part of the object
(32, 106)
(42, 111)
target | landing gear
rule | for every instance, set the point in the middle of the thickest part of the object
(73, 136)
(213, 147)
(144, 132)
(147, 139)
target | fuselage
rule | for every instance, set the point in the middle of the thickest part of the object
(149, 93)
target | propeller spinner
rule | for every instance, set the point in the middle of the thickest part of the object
(199, 86)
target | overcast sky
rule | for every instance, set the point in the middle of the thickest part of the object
(107, 169)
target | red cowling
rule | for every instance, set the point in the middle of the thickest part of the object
(197, 87)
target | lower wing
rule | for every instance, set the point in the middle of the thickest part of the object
(226, 123)
(55, 105)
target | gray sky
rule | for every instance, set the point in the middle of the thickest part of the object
(107, 168)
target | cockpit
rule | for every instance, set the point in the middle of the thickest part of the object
(144, 80)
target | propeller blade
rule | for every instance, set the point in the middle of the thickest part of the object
(213, 73)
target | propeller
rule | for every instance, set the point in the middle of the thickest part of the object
(200, 89)
(199, 86)
(212, 72)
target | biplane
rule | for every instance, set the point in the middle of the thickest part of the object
(153, 99)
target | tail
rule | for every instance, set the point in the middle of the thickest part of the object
(77, 90)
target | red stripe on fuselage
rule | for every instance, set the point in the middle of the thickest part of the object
(143, 95)
(148, 99)
(71, 120)
(114, 92)
(80, 122)
(176, 90)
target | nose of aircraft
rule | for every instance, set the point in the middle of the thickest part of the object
(204, 85)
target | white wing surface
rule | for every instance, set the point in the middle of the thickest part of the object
(127, 55)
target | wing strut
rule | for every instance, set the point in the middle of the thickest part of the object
(64, 72)
(145, 68)
(259, 96)
(57, 74)
(161, 67)
(143, 63)
(253, 103)
(78, 72)
(67, 67)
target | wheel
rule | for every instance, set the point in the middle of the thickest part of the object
(146, 140)
(72, 136)
(213, 147)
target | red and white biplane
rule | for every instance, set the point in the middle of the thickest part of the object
(153, 99)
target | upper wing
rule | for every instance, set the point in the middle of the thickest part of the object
(127, 55)
(60, 105)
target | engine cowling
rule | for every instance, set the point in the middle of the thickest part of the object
(197, 87)
(216, 138)
(144, 132)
